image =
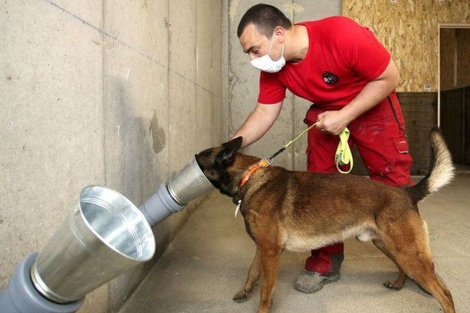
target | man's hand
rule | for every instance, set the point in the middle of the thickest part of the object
(374, 92)
(332, 122)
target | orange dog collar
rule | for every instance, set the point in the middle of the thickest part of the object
(263, 163)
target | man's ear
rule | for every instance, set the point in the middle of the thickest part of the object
(226, 155)
(280, 32)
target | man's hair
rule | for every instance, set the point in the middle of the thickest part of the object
(265, 17)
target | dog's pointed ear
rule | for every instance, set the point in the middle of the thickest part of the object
(226, 155)
(233, 144)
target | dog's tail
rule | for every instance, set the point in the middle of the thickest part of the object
(441, 169)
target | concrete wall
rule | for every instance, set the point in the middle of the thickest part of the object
(243, 84)
(117, 93)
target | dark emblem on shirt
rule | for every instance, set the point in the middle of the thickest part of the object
(330, 78)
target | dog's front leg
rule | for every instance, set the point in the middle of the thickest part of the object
(270, 267)
(253, 276)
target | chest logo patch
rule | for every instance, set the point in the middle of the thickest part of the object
(330, 78)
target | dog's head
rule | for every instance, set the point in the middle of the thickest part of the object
(217, 165)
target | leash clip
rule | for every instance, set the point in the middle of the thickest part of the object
(267, 161)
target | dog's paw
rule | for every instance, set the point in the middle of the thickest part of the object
(241, 296)
(392, 285)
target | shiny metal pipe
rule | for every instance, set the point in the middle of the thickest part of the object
(173, 196)
(189, 183)
(104, 236)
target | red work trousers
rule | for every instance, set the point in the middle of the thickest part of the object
(380, 138)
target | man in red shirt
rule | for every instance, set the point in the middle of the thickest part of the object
(350, 79)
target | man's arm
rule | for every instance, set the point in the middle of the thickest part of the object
(258, 122)
(373, 93)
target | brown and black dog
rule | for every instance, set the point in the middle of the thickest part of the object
(300, 211)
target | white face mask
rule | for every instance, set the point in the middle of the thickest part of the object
(266, 64)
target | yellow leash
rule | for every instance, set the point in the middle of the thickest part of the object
(343, 154)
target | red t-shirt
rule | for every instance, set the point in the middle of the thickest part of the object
(342, 58)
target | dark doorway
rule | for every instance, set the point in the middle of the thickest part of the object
(454, 90)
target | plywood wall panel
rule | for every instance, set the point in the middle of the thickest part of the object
(410, 30)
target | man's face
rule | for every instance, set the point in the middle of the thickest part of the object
(254, 43)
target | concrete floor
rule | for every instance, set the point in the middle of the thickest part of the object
(208, 262)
